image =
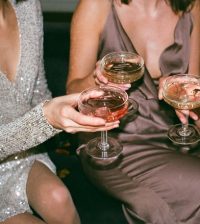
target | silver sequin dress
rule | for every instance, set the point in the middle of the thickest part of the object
(23, 126)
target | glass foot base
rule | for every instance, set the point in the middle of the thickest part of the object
(106, 156)
(175, 134)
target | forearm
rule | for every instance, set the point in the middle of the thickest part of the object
(25, 132)
(78, 85)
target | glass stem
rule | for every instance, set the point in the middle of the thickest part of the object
(185, 131)
(104, 145)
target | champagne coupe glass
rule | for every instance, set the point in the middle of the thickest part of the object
(183, 92)
(109, 103)
(123, 67)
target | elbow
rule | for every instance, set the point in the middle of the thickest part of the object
(72, 87)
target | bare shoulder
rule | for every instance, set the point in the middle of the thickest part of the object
(196, 12)
(90, 12)
(98, 4)
(93, 7)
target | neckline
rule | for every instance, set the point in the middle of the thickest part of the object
(3, 74)
(128, 38)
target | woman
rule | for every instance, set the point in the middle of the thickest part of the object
(155, 181)
(28, 117)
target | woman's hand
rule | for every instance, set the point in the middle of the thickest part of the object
(100, 79)
(182, 114)
(60, 112)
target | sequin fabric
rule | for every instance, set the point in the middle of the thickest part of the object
(23, 125)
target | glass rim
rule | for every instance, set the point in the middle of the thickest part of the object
(102, 63)
(166, 81)
(174, 77)
(182, 75)
(104, 87)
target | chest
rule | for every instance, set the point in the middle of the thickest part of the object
(20, 50)
(9, 50)
(20, 45)
(149, 34)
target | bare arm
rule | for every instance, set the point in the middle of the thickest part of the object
(87, 24)
(194, 64)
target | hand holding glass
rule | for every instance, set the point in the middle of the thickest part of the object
(109, 103)
(183, 93)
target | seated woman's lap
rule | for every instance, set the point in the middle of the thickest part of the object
(159, 186)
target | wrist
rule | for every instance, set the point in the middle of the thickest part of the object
(45, 107)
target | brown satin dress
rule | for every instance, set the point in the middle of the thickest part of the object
(155, 181)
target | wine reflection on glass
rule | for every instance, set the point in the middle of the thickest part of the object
(109, 103)
(182, 92)
(123, 67)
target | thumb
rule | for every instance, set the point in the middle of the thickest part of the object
(160, 96)
(160, 89)
(71, 99)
